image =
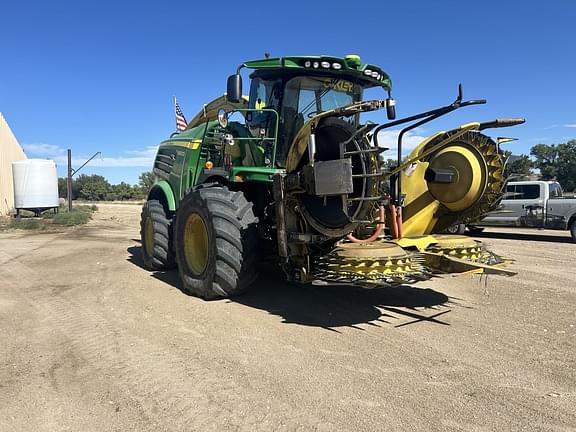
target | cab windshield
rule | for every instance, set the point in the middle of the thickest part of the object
(312, 95)
(302, 98)
(305, 97)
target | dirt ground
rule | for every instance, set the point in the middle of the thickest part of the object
(90, 341)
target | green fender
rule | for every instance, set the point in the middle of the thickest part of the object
(164, 188)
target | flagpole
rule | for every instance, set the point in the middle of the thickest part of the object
(174, 102)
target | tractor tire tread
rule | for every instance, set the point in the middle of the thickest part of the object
(163, 256)
(232, 229)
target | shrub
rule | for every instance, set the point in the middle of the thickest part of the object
(77, 216)
(26, 224)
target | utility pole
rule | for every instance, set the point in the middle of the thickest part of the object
(71, 172)
(69, 181)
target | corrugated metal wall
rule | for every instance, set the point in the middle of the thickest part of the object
(10, 151)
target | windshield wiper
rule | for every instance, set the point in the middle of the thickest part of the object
(331, 85)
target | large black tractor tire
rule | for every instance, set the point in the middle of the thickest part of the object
(573, 231)
(216, 242)
(156, 235)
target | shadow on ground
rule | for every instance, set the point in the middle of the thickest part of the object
(330, 306)
(525, 237)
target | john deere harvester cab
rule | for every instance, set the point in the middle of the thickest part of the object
(292, 171)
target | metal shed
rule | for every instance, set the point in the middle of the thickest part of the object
(10, 151)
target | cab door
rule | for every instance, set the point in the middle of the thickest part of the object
(528, 205)
(507, 212)
(556, 208)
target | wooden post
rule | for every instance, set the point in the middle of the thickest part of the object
(69, 181)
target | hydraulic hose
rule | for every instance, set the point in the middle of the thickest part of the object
(376, 233)
(399, 222)
(394, 220)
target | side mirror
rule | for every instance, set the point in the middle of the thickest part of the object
(391, 108)
(234, 88)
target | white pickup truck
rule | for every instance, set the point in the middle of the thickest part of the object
(537, 204)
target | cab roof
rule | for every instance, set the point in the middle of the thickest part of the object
(369, 75)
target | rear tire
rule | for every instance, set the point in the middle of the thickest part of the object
(456, 229)
(473, 229)
(573, 231)
(215, 242)
(156, 236)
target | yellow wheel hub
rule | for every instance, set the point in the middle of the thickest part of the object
(478, 168)
(149, 237)
(470, 171)
(196, 244)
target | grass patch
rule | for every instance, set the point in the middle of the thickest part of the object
(26, 224)
(78, 216)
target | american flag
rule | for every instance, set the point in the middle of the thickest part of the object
(181, 122)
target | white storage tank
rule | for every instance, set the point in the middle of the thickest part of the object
(35, 184)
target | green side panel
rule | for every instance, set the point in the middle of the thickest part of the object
(189, 134)
(168, 165)
(255, 174)
(176, 162)
(165, 186)
(192, 167)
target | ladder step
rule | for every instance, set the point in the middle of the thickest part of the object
(364, 199)
(371, 150)
(366, 175)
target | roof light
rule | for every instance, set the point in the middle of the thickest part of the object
(353, 60)
(316, 64)
(368, 72)
(308, 63)
(337, 66)
(374, 74)
(325, 64)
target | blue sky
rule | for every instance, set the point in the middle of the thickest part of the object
(99, 76)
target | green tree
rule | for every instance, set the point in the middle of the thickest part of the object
(518, 167)
(92, 187)
(566, 165)
(146, 180)
(557, 162)
(62, 187)
(122, 192)
(546, 159)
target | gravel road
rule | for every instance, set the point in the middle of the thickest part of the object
(90, 341)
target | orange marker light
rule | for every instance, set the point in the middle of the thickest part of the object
(209, 165)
